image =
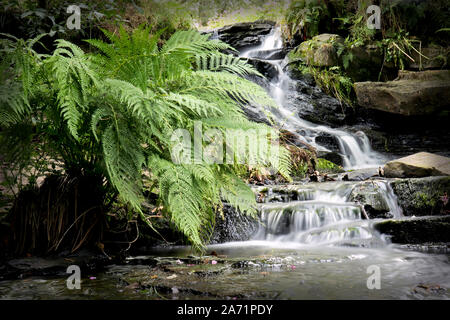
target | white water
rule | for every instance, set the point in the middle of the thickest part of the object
(355, 148)
(321, 214)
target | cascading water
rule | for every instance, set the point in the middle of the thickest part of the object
(355, 149)
(320, 213)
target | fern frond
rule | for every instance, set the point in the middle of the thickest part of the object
(217, 61)
(75, 79)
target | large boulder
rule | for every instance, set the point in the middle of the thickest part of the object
(412, 93)
(420, 164)
(320, 51)
(428, 75)
(241, 35)
(423, 196)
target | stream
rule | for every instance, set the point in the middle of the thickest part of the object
(312, 242)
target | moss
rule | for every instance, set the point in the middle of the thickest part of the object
(426, 230)
(324, 165)
(422, 196)
(425, 200)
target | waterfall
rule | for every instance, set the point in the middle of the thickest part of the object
(355, 148)
(320, 214)
(323, 213)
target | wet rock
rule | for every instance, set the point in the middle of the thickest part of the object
(265, 68)
(283, 225)
(320, 108)
(413, 93)
(241, 35)
(429, 289)
(334, 157)
(423, 196)
(55, 266)
(361, 174)
(418, 230)
(421, 164)
(437, 248)
(305, 80)
(142, 260)
(235, 226)
(255, 114)
(370, 195)
(283, 194)
(392, 133)
(328, 141)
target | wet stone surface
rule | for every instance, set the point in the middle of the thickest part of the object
(252, 270)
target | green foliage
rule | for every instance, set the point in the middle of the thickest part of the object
(358, 21)
(333, 81)
(424, 200)
(304, 16)
(398, 48)
(300, 169)
(111, 114)
(324, 165)
(38, 17)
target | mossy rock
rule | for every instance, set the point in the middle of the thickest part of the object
(415, 231)
(320, 51)
(326, 166)
(423, 196)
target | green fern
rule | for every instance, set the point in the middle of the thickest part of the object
(113, 113)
